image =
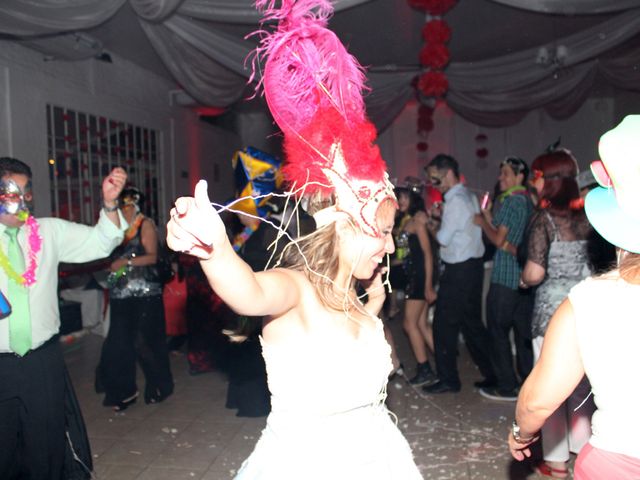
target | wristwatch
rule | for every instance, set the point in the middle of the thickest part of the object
(515, 431)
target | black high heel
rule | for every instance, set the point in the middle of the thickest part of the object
(126, 403)
(153, 395)
(398, 372)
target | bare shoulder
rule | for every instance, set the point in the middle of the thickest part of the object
(291, 325)
(421, 218)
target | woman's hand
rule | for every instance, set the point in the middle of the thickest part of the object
(117, 264)
(519, 450)
(509, 248)
(374, 286)
(195, 227)
(430, 295)
(112, 185)
(375, 291)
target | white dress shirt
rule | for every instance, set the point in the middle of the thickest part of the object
(460, 239)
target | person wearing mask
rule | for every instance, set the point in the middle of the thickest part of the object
(324, 348)
(137, 330)
(40, 421)
(459, 303)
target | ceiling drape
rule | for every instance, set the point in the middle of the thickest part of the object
(211, 64)
(572, 7)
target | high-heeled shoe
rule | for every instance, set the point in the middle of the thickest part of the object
(398, 372)
(154, 395)
(126, 403)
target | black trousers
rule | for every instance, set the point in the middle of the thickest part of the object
(137, 331)
(32, 414)
(510, 309)
(459, 309)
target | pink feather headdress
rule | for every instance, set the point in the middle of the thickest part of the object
(314, 90)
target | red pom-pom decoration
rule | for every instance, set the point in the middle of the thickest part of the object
(433, 7)
(433, 84)
(422, 146)
(482, 152)
(434, 55)
(436, 31)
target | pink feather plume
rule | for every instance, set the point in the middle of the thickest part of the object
(314, 87)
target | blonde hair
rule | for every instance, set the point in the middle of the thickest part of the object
(317, 254)
(630, 267)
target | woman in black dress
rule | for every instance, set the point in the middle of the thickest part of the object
(419, 292)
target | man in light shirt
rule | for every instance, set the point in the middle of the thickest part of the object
(35, 392)
(459, 304)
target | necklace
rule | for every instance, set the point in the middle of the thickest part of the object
(28, 278)
(516, 190)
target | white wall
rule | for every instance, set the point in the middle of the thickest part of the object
(203, 151)
(456, 136)
(121, 91)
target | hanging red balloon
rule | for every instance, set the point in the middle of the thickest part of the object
(422, 146)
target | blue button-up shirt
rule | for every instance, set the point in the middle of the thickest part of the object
(460, 239)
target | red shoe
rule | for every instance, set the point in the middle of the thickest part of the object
(547, 471)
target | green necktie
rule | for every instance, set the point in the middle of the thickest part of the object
(19, 320)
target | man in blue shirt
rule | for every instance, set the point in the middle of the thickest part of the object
(507, 306)
(459, 304)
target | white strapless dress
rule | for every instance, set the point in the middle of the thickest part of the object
(328, 419)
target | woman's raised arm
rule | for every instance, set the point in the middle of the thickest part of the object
(196, 228)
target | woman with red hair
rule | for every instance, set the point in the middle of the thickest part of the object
(557, 260)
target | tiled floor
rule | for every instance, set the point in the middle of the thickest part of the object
(192, 436)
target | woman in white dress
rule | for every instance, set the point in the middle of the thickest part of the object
(326, 356)
(325, 352)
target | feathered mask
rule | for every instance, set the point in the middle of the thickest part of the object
(314, 90)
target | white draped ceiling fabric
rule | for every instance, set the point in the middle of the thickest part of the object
(210, 63)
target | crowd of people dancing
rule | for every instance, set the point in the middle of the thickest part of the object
(565, 271)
